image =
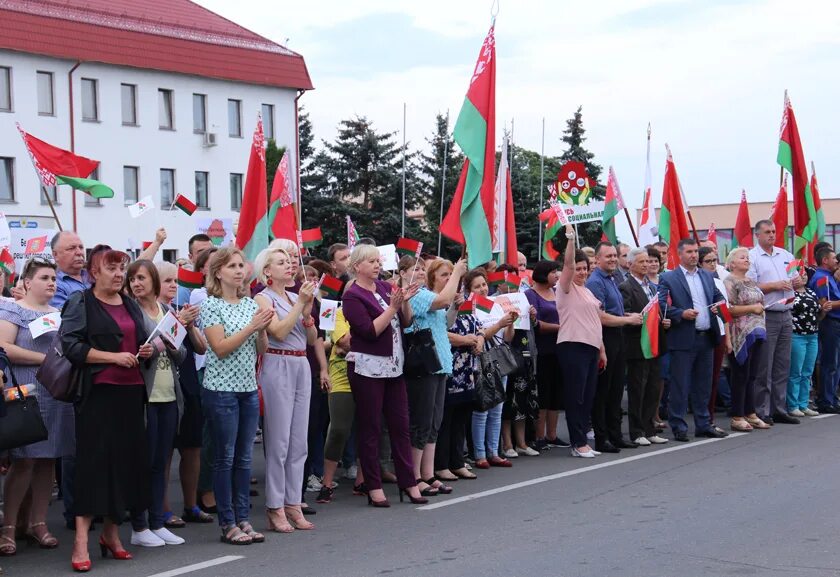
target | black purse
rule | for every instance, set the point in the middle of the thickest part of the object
(22, 424)
(421, 356)
(504, 358)
(489, 391)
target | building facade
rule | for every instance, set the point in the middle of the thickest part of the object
(167, 109)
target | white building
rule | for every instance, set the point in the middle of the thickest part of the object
(164, 93)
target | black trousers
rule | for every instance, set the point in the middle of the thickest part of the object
(580, 362)
(606, 410)
(449, 453)
(643, 378)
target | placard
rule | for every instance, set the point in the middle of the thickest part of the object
(509, 301)
(29, 243)
(388, 257)
(220, 230)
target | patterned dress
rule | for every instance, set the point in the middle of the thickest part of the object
(58, 416)
(460, 385)
(522, 401)
(746, 329)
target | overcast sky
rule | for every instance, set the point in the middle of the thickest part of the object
(708, 75)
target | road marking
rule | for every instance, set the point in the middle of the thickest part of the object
(823, 416)
(573, 472)
(199, 566)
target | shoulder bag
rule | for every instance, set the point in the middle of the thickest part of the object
(57, 374)
(22, 425)
(488, 383)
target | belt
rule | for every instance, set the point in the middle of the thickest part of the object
(778, 312)
(703, 332)
(285, 352)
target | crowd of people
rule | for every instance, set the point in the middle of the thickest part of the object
(411, 386)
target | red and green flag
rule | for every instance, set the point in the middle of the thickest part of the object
(353, 237)
(779, 216)
(7, 263)
(504, 223)
(794, 267)
(191, 279)
(791, 158)
(282, 211)
(496, 278)
(409, 247)
(815, 191)
(554, 218)
(650, 329)
(673, 220)
(183, 203)
(613, 204)
(58, 166)
(743, 232)
(311, 237)
(483, 304)
(512, 280)
(253, 229)
(723, 311)
(468, 220)
(466, 308)
(331, 286)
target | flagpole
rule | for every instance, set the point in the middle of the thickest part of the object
(443, 179)
(632, 230)
(403, 175)
(542, 187)
(52, 207)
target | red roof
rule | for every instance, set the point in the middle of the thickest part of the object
(170, 35)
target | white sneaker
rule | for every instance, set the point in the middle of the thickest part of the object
(590, 435)
(313, 484)
(642, 442)
(810, 413)
(510, 454)
(528, 452)
(351, 472)
(146, 538)
(168, 536)
(796, 413)
(590, 454)
(657, 440)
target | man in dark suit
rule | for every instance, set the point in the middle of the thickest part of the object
(643, 375)
(691, 341)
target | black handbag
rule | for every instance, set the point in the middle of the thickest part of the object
(22, 424)
(421, 356)
(504, 358)
(489, 391)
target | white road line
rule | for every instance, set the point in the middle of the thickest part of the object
(823, 416)
(199, 566)
(572, 473)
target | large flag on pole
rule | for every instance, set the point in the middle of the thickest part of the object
(552, 225)
(742, 235)
(352, 234)
(504, 225)
(613, 205)
(791, 158)
(650, 329)
(58, 166)
(779, 216)
(252, 232)
(282, 213)
(648, 231)
(815, 191)
(471, 211)
(673, 223)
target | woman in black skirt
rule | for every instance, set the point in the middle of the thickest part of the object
(104, 336)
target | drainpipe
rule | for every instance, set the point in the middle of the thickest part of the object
(72, 129)
(297, 159)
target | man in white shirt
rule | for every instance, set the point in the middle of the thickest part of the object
(768, 268)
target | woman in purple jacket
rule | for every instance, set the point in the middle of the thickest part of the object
(374, 309)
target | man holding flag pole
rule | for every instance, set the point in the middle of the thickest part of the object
(827, 290)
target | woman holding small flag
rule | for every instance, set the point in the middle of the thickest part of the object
(285, 380)
(27, 328)
(165, 403)
(747, 333)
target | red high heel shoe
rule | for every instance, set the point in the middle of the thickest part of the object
(81, 566)
(104, 547)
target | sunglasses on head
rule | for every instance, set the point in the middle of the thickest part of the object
(37, 261)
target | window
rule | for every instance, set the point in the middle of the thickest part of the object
(5, 89)
(268, 120)
(165, 118)
(167, 187)
(199, 113)
(89, 200)
(46, 104)
(48, 191)
(128, 94)
(201, 196)
(131, 183)
(7, 179)
(170, 254)
(235, 118)
(90, 100)
(235, 191)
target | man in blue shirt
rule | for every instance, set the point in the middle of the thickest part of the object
(606, 409)
(825, 286)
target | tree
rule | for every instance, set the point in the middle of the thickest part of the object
(573, 136)
(431, 167)
(360, 175)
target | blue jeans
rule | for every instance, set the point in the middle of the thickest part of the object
(486, 428)
(829, 361)
(691, 377)
(803, 355)
(233, 425)
(161, 427)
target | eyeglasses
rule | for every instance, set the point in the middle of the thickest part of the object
(710, 261)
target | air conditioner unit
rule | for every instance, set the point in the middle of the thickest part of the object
(209, 139)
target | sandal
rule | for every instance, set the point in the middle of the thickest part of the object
(436, 484)
(757, 423)
(233, 535)
(284, 527)
(464, 474)
(248, 530)
(740, 425)
(449, 476)
(8, 547)
(196, 515)
(297, 520)
(45, 541)
(429, 491)
(173, 521)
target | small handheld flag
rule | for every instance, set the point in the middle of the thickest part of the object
(723, 311)
(190, 279)
(171, 330)
(140, 208)
(311, 237)
(45, 324)
(496, 278)
(331, 286)
(7, 262)
(184, 204)
(409, 247)
(650, 329)
(466, 308)
(794, 267)
(483, 304)
(512, 280)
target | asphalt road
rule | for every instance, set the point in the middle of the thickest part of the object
(763, 503)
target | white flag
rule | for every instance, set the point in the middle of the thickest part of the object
(500, 202)
(327, 314)
(145, 205)
(5, 233)
(46, 324)
(171, 330)
(648, 230)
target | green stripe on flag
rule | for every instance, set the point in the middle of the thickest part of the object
(258, 240)
(784, 157)
(471, 134)
(665, 224)
(92, 187)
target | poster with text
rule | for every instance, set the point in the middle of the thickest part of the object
(220, 230)
(503, 303)
(30, 242)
